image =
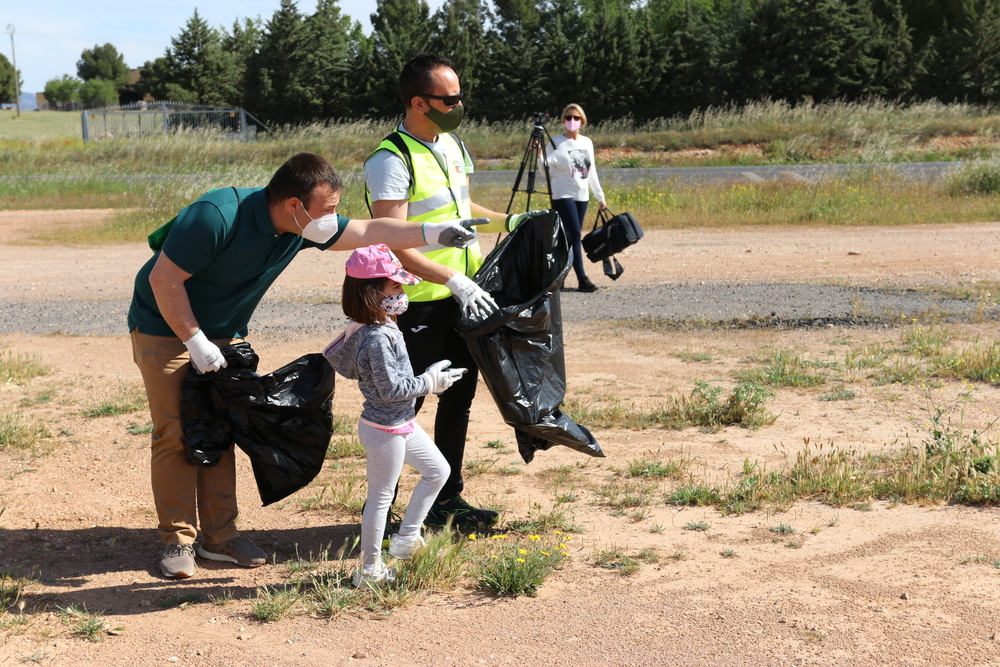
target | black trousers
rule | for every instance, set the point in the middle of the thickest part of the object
(429, 331)
(572, 213)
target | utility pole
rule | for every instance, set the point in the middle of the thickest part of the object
(17, 85)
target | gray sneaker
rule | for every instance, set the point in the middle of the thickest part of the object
(238, 550)
(178, 561)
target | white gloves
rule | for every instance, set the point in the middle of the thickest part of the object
(205, 355)
(515, 219)
(440, 377)
(475, 301)
(453, 233)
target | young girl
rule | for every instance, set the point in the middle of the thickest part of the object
(372, 351)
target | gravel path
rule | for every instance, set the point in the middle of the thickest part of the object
(744, 277)
(742, 304)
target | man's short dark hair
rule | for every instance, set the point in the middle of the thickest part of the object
(299, 176)
(416, 78)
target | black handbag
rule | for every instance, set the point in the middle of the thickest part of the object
(616, 233)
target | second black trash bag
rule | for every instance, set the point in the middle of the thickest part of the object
(282, 420)
(519, 349)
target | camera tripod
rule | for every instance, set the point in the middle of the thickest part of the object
(533, 154)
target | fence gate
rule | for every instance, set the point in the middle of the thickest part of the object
(147, 119)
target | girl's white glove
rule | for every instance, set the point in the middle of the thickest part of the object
(439, 377)
(476, 302)
(205, 355)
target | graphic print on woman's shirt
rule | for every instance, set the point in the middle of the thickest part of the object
(579, 163)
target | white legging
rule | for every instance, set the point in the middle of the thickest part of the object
(386, 453)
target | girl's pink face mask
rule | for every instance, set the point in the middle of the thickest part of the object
(572, 125)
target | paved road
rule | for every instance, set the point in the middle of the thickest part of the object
(925, 171)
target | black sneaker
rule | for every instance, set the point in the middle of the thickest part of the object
(464, 515)
(586, 285)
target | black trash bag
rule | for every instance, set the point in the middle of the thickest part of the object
(519, 349)
(283, 420)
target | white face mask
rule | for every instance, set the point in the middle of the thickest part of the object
(395, 304)
(318, 230)
(573, 125)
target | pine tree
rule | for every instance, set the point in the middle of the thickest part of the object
(510, 86)
(277, 77)
(199, 64)
(458, 35)
(400, 30)
(983, 56)
(617, 63)
(7, 87)
(241, 43)
(818, 50)
(692, 78)
(327, 63)
(559, 74)
(105, 63)
(898, 65)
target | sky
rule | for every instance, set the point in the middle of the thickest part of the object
(49, 35)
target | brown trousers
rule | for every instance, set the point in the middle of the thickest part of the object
(183, 493)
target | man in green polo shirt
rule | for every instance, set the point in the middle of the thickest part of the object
(197, 294)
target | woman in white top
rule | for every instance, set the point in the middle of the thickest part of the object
(574, 174)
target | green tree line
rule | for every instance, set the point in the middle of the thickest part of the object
(656, 58)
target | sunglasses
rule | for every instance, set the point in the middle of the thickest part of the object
(447, 100)
(572, 118)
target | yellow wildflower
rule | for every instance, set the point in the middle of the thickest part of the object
(472, 536)
(520, 560)
(522, 551)
(534, 537)
(544, 553)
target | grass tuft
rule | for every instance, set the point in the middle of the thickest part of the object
(123, 399)
(512, 568)
(18, 368)
(20, 432)
(85, 624)
(703, 408)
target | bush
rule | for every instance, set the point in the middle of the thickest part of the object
(978, 178)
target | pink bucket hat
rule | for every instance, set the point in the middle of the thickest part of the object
(377, 261)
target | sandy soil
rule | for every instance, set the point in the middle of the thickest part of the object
(893, 585)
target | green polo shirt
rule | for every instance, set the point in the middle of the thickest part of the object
(228, 244)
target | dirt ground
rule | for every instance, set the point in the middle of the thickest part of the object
(883, 585)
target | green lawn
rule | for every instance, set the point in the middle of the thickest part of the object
(40, 125)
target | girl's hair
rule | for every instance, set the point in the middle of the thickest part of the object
(577, 110)
(361, 300)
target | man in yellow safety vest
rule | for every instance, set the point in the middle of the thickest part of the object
(420, 173)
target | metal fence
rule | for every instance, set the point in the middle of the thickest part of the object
(147, 119)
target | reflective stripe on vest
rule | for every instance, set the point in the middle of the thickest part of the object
(437, 195)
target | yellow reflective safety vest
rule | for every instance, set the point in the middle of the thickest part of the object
(438, 192)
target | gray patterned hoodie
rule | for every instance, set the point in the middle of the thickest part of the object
(375, 356)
